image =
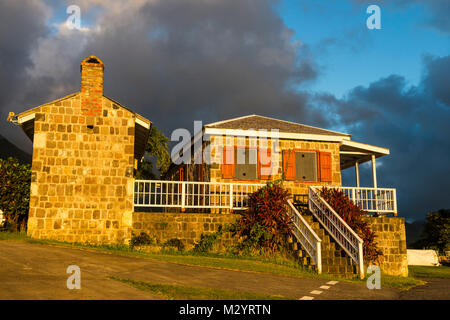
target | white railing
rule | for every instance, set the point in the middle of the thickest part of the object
(336, 227)
(377, 200)
(309, 240)
(186, 194)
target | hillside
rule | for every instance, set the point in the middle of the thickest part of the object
(414, 231)
(7, 149)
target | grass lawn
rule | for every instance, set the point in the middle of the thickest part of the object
(429, 272)
(276, 266)
(401, 283)
(176, 292)
(5, 235)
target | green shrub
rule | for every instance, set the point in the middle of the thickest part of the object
(208, 241)
(174, 243)
(352, 215)
(141, 240)
(251, 244)
(266, 224)
(15, 192)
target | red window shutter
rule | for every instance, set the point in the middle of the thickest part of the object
(200, 172)
(228, 162)
(289, 164)
(325, 166)
(265, 163)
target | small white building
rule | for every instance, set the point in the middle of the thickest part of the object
(422, 257)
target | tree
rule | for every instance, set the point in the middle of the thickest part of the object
(15, 180)
(436, 234)
(157, 147)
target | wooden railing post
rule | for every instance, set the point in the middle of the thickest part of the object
(375, 185)
(134, 197)
(394, 204)
(183, 195)
(361, 260)
(319, 257)
(231, 196)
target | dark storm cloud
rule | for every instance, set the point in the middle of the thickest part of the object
(413, 122)
(176, 61)
(171, 61)
(22, 27)
(22, 24)
(439, 10)
(437, 79)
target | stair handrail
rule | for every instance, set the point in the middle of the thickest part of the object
(341, 232)
(309, 240)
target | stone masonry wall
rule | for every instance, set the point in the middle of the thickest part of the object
(391, 239)
(82, 173)
(186, 227)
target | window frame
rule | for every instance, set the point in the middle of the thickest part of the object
(317, 152)
(258, 175)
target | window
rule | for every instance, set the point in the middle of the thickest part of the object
(305, 166)
(246, 165)
(299, 165)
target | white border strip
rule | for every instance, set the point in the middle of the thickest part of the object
(142, 123)
(274, 134)
(26, 118)
(363, 146)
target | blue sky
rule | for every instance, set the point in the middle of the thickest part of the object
(357, 55)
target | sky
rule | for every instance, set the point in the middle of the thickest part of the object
(313, 62)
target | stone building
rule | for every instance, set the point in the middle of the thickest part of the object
(85, 147)
(257, 149)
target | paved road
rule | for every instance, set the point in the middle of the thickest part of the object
(36, 271)
(434, 289)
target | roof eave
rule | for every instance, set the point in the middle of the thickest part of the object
(354, 151)
(275, 134)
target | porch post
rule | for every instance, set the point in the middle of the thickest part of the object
(374, 171)
(357, 173)
(374, 177)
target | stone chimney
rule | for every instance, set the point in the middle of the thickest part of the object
(91, 86)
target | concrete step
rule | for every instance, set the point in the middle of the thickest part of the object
(334, 259)
(328, 246)
(338, 269)
(331, 254)
(342, 275)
